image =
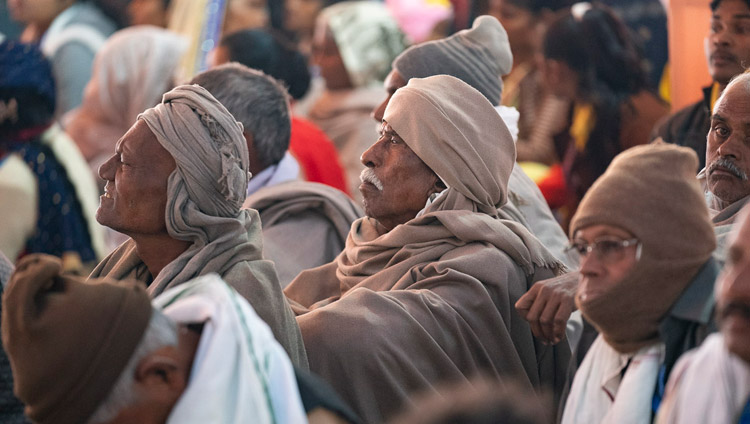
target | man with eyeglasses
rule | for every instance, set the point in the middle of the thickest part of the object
(645, 281)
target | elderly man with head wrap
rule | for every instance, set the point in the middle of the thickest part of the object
(646, 284)
(99, 351)
(175, 185)
(423, 291)
(480, 56)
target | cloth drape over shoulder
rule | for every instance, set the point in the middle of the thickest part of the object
(431, 300)
(205, 194)
(239, 374)
(321, 213)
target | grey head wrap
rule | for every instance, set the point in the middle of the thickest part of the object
(207, 145)
(208, 186)
(478, 56)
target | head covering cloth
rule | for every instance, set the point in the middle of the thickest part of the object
(479, 56)
(676, 240)
(368, 39)
(131, 73)
(68, 340)
(449, 133)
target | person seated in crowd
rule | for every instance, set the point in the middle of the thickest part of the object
(727, 50)
(106, 354)
(267, 51)
(69, 32)
(646, 283)
(725, 177)
(726, 190)
(486, 43)
(712, 384)
(592, 60)
(175, 186)
(287, 207)
(47, 196)
(133, 69)
(421, 294)
(354, 44)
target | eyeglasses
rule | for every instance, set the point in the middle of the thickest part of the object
(607, 250)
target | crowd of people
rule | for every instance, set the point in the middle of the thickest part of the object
(369, 211)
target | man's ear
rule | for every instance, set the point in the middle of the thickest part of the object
(161, 368)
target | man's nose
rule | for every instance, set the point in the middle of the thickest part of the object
(106, 170)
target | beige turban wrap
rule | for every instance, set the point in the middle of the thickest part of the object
(650, 191)
(207, 144)
(455, 130)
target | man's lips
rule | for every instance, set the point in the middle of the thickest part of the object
(722, 57)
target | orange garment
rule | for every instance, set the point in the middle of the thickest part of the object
(316, 155)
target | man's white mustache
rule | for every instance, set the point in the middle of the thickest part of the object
(368, 176)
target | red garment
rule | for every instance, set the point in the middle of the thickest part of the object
(316, 155)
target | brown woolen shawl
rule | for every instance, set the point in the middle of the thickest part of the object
(650, 191)
(204, 200)
(432, 299)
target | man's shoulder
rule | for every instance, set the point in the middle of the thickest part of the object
(302, 197)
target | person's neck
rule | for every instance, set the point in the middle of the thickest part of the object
(158, 251)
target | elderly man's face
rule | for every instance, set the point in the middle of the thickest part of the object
(135, 196)
(733, 287)
(727, 46)
(611, 258)
(396, 183)
(728, 150)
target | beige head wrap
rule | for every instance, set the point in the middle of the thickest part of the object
(650, 191)
(207, 144)
(455, 130)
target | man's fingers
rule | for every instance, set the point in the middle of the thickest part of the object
(561, 320)
(523, 304)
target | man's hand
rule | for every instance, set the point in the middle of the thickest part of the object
(548, 305)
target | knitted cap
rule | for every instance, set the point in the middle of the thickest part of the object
(652, 192)
(479, 56)
(68, 340)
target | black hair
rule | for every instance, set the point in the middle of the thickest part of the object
(270, 52)
(23, 108)
(601, 50)
(716, 3)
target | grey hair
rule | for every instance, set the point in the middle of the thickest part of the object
(258, 101)
(161, 331)
(741, 79)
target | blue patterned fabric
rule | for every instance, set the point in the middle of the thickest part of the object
(61, 226)
(24, 65)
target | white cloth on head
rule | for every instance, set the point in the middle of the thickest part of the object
(286, 170)
(708, 385)
(240, 373)
(602, 394)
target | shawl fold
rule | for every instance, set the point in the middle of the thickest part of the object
(287, 210)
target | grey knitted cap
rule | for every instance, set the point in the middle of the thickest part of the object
(479, 56)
